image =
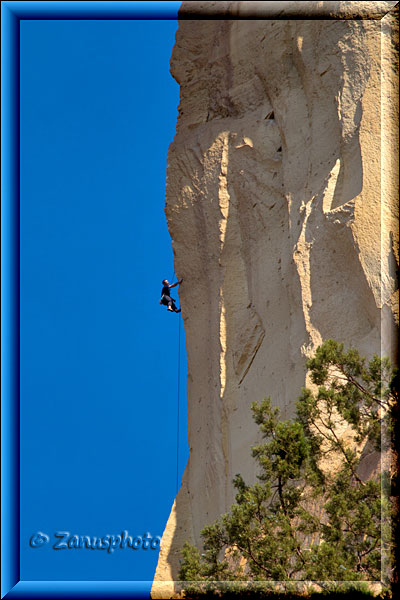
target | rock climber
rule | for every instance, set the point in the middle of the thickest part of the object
(166, 298)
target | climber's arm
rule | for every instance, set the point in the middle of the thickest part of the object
(175, 284)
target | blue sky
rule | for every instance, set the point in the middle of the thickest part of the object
(98, 353)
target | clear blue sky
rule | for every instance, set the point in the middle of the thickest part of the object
(98, 353)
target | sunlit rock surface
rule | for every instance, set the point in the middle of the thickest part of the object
(281, 204)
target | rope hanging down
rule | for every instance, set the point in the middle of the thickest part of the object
(179, 393)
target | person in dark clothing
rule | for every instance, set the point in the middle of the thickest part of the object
(166, 298)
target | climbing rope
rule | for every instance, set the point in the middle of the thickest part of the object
(179, 394)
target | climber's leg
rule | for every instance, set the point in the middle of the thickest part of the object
(172, 306)
(167, 300)
(170, 303)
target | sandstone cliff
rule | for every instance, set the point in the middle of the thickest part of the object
(281, 204)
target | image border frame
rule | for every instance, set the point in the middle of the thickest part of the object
(12, 12)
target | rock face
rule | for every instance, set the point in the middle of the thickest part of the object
(281, 204)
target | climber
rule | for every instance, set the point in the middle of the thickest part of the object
(166, 298)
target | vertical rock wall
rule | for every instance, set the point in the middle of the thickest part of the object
(281, 207)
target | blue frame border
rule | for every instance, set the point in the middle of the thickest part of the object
(12, 12)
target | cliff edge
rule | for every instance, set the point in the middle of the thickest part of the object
(282, 207)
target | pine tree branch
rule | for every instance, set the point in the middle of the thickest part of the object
(341, 447)
(353, 381)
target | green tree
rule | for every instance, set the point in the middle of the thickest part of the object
(310, 516)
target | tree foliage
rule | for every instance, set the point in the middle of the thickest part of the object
(310, 516)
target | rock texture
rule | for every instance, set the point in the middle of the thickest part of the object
(281, 204)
